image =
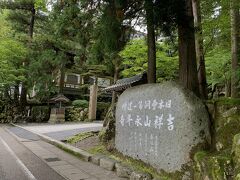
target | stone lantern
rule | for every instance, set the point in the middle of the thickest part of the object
(58, 111)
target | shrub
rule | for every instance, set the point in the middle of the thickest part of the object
(102, 108)
(40, 114)
(80, 103)
(76, 114)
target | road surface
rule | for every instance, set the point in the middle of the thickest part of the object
(19, 163)
(24, 156)
(63, 131)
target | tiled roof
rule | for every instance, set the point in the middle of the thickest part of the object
(125, 83)
(60, 98)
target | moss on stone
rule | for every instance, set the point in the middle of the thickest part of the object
(226, 130)
(199, 155)
(236, 155)
(212, 165)
(237, 177)
(226, 122)
(236, 146)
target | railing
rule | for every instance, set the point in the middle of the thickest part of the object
(75, 86)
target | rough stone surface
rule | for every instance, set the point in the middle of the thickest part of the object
(85, 155)
(161, 124)
(107, 163)
(230, 112)
(226, 125)
(140, 176)
(123, 171)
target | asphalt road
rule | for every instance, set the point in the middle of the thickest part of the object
(19, 163)
(63, 131)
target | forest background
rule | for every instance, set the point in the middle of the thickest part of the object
(191, 41)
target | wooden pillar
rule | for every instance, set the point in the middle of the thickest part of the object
(93, 102)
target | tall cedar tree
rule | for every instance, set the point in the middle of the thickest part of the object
(25, 6)
(187, 53)
(178, 13)
(113, 32)
(199, 49)
(151, 41)
(235, 43)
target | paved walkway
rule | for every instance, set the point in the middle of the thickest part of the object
(65, 164)
(63, 131)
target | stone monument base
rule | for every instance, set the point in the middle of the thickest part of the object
(57, 115)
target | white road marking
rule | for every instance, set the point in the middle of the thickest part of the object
(23, 167)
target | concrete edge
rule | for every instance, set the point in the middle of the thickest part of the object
(116, 166)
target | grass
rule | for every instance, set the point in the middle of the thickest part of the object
(79, 137)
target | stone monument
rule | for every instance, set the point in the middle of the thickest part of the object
(161, 124)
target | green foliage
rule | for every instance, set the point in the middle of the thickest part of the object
(218, 65)
(12, 54)
(40, 4)
(216, 24)
(135, 60)
(80, 103)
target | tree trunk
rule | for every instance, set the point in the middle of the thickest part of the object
(228, 88)
(23, 96)
(235, 43)
(187, 53)
(16, 94)
(62, 79)
(199, 49)
(151, 42)
(116, 77)
(32, 20)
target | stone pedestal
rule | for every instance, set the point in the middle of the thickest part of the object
(57, 115)
(93, 102)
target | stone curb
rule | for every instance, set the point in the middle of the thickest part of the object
(100, 160)
(108, 164)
